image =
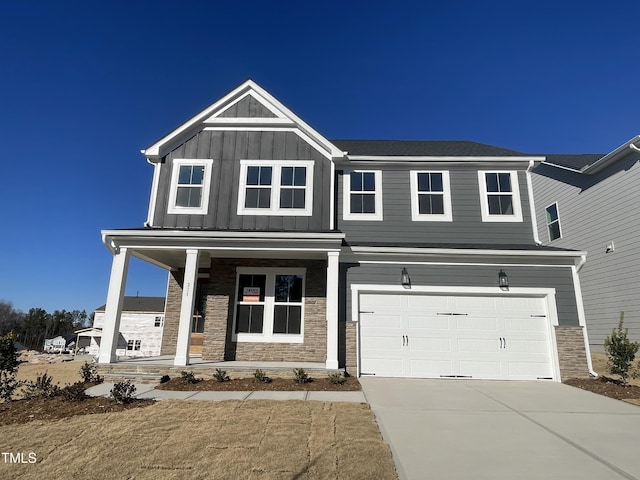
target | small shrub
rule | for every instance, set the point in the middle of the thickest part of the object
(123, 392)
(165, 378)
(43, 387)
(221, 375)
(336, 378)
(260, 376)
(188, 377)
(8, 367)
(89, 373)
(300, 376)
(621, 352)
(74, 392)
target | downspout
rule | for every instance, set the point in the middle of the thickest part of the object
(154, 192)
(532, 205)
(581, 315)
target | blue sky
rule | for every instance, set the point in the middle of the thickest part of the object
(86, 85)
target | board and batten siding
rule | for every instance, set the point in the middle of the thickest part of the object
(559, 278)
(227, 148)
(594, 211)
(467, 226)
(248, 107)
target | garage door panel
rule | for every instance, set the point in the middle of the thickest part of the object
(474, 323)
(427, 323)
(421, 335)
(484, 369)
(426, 345)
(430, 368)
(383, 366)
(426, 301)
(478, 345)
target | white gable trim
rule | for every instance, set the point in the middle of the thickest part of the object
(154, 152)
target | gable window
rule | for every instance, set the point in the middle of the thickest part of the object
(499, 196)
(269, 305)
(362, 199)
(190, 184)
(278, 187)
(430, 196)
(553, 222)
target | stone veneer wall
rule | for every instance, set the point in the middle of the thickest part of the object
(172, 314)
(220, 309)
(351, 361)
(572, 354)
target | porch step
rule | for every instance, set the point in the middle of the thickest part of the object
(153, 373)
(134, 377)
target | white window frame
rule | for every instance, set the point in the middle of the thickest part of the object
(267, 335)
(416, 216)
(516, 216)
(276, 174)
(346, 196)
(206, 186)
(558, 220)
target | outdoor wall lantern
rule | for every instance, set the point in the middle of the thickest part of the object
(503, 280)
(404, 279)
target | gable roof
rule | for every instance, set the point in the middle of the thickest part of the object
(140, 304)
(572, 162)
(275, 115)
(444, 148)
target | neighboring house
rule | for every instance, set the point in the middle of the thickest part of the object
(140, 332)
(590, 203)
(59, 344)
(388, 258)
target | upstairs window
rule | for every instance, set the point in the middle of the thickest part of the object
(190, 183)
(362, 199)
(280, 187)
(430, 196)
(499, 196)
(553, 222)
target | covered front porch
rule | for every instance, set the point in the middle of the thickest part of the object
(221, 261)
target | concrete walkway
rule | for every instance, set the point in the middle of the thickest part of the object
(147, 391)
(461, 429)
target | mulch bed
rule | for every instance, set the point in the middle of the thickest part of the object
(56, 408)
(607, 386)
(248, 384)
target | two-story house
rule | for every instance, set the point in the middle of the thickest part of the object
(589, 202)
(389, 258)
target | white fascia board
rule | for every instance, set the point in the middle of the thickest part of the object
(468, 254)
(270, 102)
(432, 158)
(152, 233)
(622, 151)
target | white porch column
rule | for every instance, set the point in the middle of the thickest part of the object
(113, 309)
(333, 268)
(186, 307)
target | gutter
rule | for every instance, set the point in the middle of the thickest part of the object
(532, 206)
(108, 242)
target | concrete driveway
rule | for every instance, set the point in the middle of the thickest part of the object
(463, 429)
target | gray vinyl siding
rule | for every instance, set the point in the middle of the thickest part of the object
(594, 211)
(559, 278)
(248, 107)
(467, 226)
(227, 148)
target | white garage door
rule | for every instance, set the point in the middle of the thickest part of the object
(454, 336)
